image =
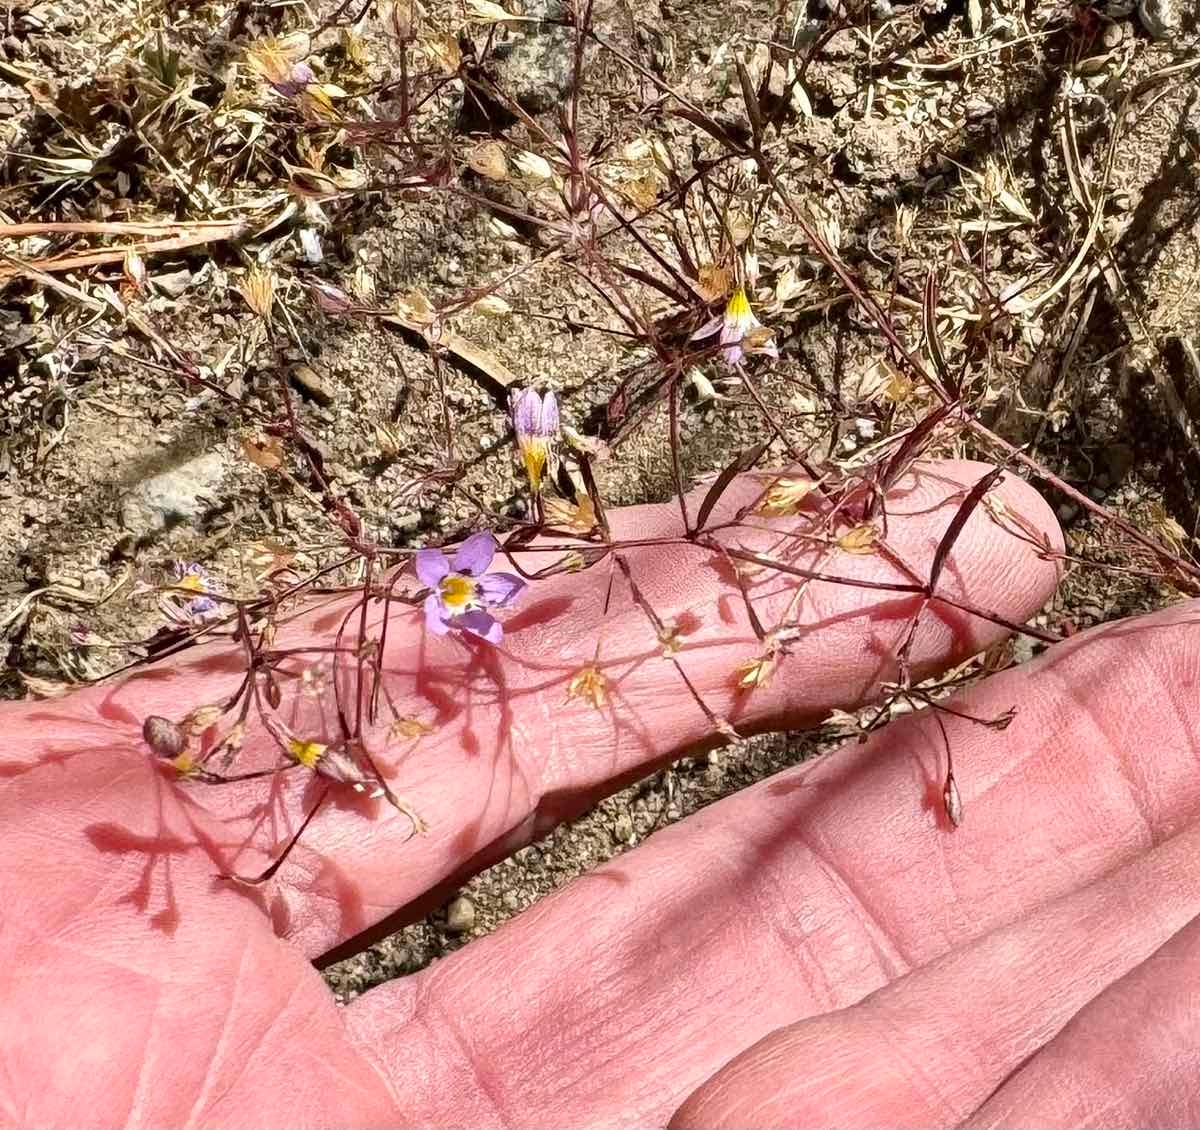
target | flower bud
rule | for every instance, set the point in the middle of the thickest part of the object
(536, 422)
(952, 800)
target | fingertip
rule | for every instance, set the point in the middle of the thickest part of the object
(1007, 558)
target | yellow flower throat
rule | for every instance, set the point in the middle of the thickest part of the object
(457, 591)
(533, 453)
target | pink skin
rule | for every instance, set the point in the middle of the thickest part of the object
(816, 950)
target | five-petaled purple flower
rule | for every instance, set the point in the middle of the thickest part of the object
(462, 589)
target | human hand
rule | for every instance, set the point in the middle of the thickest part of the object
(140, 989)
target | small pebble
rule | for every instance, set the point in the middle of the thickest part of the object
(460, 915)
(312, 385)
(622, 829)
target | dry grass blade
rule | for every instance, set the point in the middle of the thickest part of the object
(965, 510)
(743, 463)
(190, 235)
(929, 310)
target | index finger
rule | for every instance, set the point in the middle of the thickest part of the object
(512, 752)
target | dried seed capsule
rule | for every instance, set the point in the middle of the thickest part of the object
(952, 800)
(164, 737)
(338, 765)
(202, 718)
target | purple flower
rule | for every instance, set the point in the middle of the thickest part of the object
(193, 578)
(298, 78)
(535, 419)
(741, 332)
(462, 589)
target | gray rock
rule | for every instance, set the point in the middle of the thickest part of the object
(311, 384)
(1067, 512)
(622, 828)
(536, 65)
(173, 283)
(1162, 19)
(460, 915)
(181, 494)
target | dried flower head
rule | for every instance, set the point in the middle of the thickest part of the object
(258, 289)
(230, 745)
(785, 497)
(579, 516)
(407, 726)
(463, 592)
(713, 281)
(863, 538)
(536, 421)
(669, 638)
(757, 672)
(741, 333)
(591, 683)
(201, 718)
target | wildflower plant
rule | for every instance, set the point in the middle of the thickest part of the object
(707, 259)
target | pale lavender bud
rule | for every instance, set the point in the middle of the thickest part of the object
(536, 421)
(298, 79)
(333, 300)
